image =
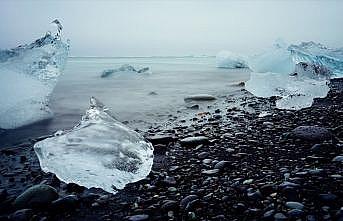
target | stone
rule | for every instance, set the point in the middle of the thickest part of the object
(280, 217)
(38, 195)
(203, 155)
(221, 165)
(199, 97)
(160, 139)
(194, 141)
(169, 205)
(21, 215)
(140, 217)
(294, 205)
(169, 180)
(210, 172)
(327, 197)
(295, 213)
(311, 133)
(66, 203)
(184, 203)
(338, 159)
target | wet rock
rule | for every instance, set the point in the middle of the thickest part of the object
(199, 97)
(280, 217)
(294, 205)
(222, 165)
(169, 181)
(21, 215)
(74, 188)
(160, 139)
(295, 213)
(311, 133)
(140, 217)
(36, 196)
(169, 205)
(327, 198)
(66, 203)
(194, 141)
(338, 159)
(203, 155)
(210, 172)
(187, 201)
(268, 215)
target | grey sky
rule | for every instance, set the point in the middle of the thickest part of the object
(144, 28)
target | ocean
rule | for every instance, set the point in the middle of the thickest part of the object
(139, 100)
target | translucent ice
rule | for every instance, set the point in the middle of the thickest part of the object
(282, 58)
(99, 152)
(226, 59)
(28, 75)
(295, 92)
(126, 68)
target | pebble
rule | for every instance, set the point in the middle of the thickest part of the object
(294, 205)
(194, 141)
(140, 217)
(311, 133)
(184, 203)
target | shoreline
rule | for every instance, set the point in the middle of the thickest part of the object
(247, 168)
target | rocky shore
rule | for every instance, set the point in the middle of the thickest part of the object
(251, 162)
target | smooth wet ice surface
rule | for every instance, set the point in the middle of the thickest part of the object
(98, 152)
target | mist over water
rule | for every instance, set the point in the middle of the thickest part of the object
(145, 28)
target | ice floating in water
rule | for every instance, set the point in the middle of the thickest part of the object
(297, 73)
(226, 59)
(295, 92)
(282, 59)
(123, 69)
(99, 152)
(28, 74)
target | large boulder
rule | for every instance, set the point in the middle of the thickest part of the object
(35, 196)
(311, 133)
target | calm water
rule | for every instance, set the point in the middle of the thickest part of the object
(128, 95)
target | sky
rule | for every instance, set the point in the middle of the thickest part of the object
(162, 28)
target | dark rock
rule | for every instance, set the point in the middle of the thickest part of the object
(295, 213)
(311, 133)
(169, 181)
(169, 205)
(268, 215)
(3, 194)
(161, 139)
(199, 97)
(66, 203)
(222, 165)
(280, 217)
(194, 141)
(210, 172)
(294, 205)
(74, 188)
(203, 155)
(338, 159)
(327, 198)
(21, 215)
(36, 196)
(184, 204)
(140, 217)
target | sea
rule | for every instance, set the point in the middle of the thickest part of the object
(140, 100)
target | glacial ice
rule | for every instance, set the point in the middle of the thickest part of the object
(282, 58)
(226, 59)
(28, 75)
(99, 152)
(296, 73)
(295, 92)
(126, 68)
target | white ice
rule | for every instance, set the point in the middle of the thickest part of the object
(28, 74)
(125, 69)
(296, 73)
(227, 59)
(99, 152)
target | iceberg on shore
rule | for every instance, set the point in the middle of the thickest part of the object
(28, 74)
(297, 73)
(99, 152)
(226, 59)
(126, 68)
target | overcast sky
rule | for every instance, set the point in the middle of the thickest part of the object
(145, 28)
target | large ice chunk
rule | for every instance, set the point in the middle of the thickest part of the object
(126, 68)
(295, 92)
(28, 74)
(282, 58)
(226, 59)
(98, 152)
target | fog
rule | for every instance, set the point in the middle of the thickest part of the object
(146, 28)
